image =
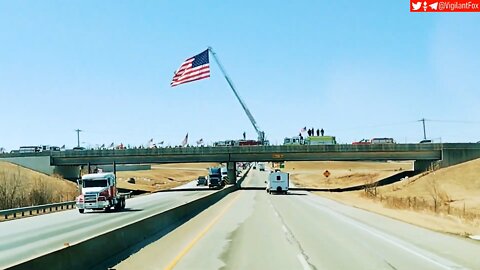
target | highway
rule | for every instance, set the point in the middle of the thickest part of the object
(250, 229)
(30, 237)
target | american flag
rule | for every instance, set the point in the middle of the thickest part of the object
(185, 141)
(200, 141)
(304, 129)
(193, 69)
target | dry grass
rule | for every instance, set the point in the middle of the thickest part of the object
(162, 177)
(446, 200)
(21, 187)
(451, 191)
(342, 174)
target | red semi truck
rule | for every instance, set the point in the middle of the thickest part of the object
(99, 192)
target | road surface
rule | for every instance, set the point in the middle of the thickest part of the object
(33, 236)
(250, 229)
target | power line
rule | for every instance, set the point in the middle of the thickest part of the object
(455, 121)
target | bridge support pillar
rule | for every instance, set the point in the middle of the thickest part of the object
(232, 173)
(424, 165)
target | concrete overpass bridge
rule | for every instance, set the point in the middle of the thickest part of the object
(68, 163)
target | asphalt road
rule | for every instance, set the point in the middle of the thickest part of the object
(250, 229)
(31, 237)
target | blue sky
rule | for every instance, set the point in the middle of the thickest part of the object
(356, 69)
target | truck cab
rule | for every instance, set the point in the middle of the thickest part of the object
(215, 178)
(278, 182)
(99, 192)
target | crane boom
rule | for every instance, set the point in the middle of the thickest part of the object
(261, 134)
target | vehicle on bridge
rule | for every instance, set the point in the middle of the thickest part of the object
(37, 149)
(297, 140)
(215, 178)
(228, 143)
(29, 149)
(311, 140)
(278, 182)
(362, 142)
(99, 192)
(321, 140)
(382, 141)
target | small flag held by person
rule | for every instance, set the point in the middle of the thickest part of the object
(200, 142)
(304, 129)
(150, 143)
(185, 141)
(193, 69)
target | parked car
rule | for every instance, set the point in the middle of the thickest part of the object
(202, 180)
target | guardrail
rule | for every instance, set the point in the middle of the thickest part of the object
(38, 208)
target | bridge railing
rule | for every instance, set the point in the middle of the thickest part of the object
(37, 208)
(249, 149)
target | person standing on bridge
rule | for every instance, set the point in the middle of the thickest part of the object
(322, 131)
(244, 135)
(318, 132)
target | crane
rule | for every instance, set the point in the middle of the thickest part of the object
(261, 134)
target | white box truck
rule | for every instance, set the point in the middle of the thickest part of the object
(278, 182)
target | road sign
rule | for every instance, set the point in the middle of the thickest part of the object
(326, 173)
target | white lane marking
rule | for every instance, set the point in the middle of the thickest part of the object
(303, 262)
(284, 228)
(410, 248)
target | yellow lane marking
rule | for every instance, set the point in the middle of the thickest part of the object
(200, 235)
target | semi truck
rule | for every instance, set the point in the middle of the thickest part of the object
(215, 178)
(99, 192)
(278, 182)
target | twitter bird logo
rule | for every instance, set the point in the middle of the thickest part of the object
(416, 6)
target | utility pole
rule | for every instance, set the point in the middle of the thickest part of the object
(78, 136)
(424, 133)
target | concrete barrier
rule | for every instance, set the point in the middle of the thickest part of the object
(105, 250)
